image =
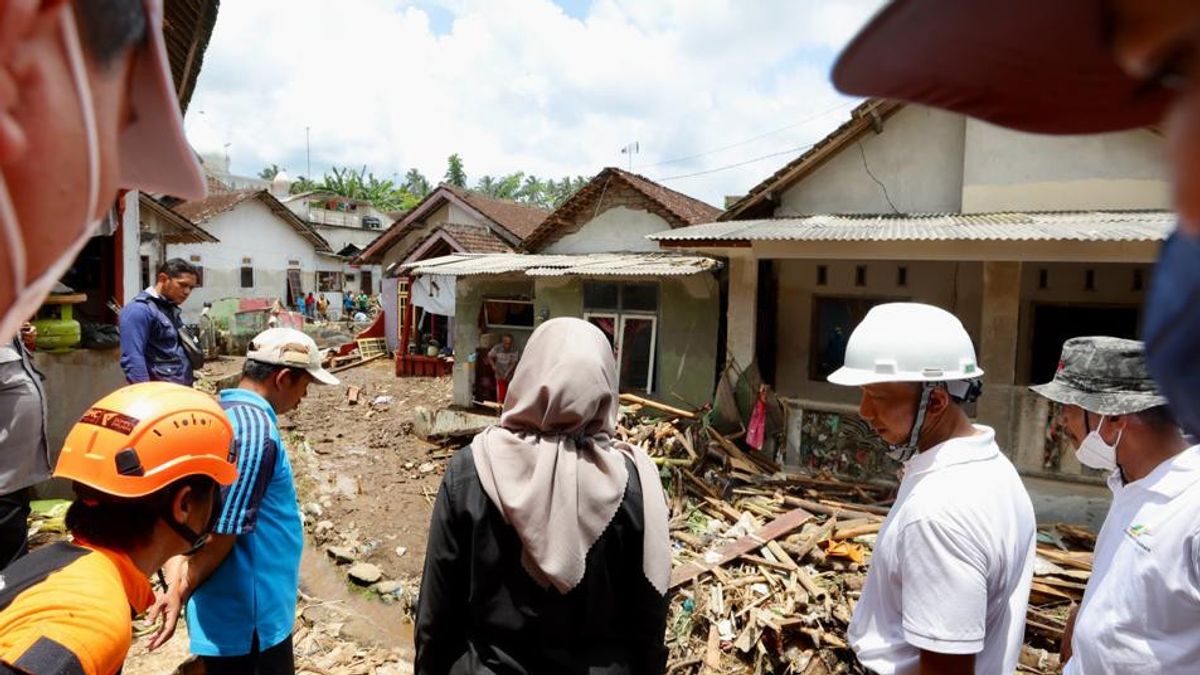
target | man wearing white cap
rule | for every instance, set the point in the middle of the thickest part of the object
(241, 588)
(87, 107)
(949, 580)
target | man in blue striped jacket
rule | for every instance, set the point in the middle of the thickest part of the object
(241, 588)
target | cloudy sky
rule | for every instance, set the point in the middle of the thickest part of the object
(717, 93)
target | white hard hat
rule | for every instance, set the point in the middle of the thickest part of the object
(907, 342)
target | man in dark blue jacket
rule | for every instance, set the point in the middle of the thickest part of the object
(150, 326)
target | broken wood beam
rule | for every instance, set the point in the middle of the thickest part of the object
(773, 530)
(357, 363)
(826, 510)
(655, 405)
(852, 532)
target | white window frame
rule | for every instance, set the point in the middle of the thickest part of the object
(619, 320)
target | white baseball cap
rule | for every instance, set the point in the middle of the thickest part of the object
(292, 348)
(155, 155)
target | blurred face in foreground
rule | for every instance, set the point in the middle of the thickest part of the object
(1159, 42)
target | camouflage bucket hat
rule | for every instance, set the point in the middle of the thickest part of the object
(1104, 375)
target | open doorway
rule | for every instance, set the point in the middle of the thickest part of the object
(1054, 324)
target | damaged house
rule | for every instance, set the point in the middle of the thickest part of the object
(1029, 240)
(448, 220)
(590, 258)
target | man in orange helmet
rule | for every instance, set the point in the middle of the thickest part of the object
(148, 462)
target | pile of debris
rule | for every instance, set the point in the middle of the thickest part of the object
(768, 565)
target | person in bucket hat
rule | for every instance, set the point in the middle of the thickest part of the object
(241, 591)
(1140, 609)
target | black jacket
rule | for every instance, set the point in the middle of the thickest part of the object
(150, 349)
(481, 613)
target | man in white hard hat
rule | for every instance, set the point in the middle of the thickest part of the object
(950, 575)
(1141, 610)
(87, 107)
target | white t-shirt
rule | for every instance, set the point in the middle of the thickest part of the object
(1141, 609)
(952, 563)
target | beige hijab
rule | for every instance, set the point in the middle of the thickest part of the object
(553, 468)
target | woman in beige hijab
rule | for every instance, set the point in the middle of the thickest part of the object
(548, 548)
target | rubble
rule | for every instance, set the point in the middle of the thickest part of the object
(769, 565)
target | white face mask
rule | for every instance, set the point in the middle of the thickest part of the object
(1094, 453)
(28, 297)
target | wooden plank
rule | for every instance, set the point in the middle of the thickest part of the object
(770, 532)
(1078, 560)
(825, 510)
(852, 532)
(356, 363)
(655, 405)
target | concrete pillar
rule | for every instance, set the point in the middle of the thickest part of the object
(997, 349)
(743, 305)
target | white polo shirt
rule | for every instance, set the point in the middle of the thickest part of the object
(952, 563)
(1141, 609)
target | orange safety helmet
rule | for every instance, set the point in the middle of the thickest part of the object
(143, 437)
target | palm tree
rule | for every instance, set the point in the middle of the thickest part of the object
(269, 172)
(455, 174)
(416, 184)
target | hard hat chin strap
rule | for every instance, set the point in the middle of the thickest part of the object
(904, 452)
(197, 539)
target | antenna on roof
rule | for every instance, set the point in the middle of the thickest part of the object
(631, 150)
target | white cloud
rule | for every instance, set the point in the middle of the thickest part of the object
(520, 85)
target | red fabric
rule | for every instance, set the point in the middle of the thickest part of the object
(758, 424)
(501, 390)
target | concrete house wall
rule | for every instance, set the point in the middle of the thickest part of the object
(249, 230)
(688, 320)
(1005, 170)
(919, 157)
(619, 228)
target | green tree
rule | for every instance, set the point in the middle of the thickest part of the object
(303, 184)
(455, 174)
(360, 184)
(269, 172)
(416, 184)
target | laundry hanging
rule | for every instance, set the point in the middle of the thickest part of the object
(434, 293)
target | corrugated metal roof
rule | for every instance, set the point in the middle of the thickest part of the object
(590, 265)
(1035, 226)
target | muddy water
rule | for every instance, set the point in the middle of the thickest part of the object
(370, 621)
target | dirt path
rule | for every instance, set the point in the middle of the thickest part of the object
(366, 487)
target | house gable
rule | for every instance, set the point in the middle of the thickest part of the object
(900, 158)
(911, 162)
(447, 204)
(615, 212)
(618, 228)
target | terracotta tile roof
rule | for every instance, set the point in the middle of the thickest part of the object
(216, 203)
(202, 210)
(176, 228)
(475, 239)
(676, 208)
(519, 219)
(689, 209)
